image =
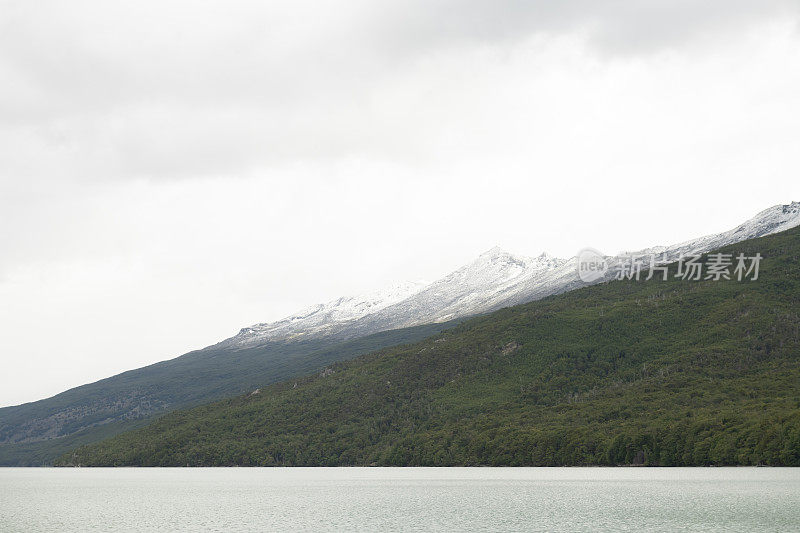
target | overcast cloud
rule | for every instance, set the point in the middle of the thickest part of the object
(173, 171)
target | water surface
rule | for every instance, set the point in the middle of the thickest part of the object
(400, 499)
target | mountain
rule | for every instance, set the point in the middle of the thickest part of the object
(659, 372)
(34, 434)
(322, 319)
(261, 354)
(494, 280)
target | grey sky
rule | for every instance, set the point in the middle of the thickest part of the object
(172, 171)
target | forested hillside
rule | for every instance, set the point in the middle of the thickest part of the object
(36, 433)
(655, 372)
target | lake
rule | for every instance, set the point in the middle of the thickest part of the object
(400, 499)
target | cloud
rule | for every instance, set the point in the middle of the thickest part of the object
(616, 27)
(172, 172)
(99, 90)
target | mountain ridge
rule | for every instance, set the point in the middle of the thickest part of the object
(315, 337)
(496, 279)
(661, 372)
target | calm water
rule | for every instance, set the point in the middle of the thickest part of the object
(397, 499)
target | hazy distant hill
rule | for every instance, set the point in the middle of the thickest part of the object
(36, 433)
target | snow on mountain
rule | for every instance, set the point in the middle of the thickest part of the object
(494, 280)
(474, 288)
(327, 318)
(773, 220)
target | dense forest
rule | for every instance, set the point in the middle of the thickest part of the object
(655, 372)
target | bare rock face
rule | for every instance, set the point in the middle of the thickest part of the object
(92, 412)
(510, 348)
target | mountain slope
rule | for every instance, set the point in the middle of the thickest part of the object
(495, 280)
(263, 353)
(36, 433)
(656, 372)
(322, 319)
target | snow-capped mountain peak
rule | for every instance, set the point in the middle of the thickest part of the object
(772, 220)
(324, 318)
(493, 252)
(495, 279)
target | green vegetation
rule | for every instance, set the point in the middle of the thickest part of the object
(43, 452)
(34, 434)
(659, 373)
